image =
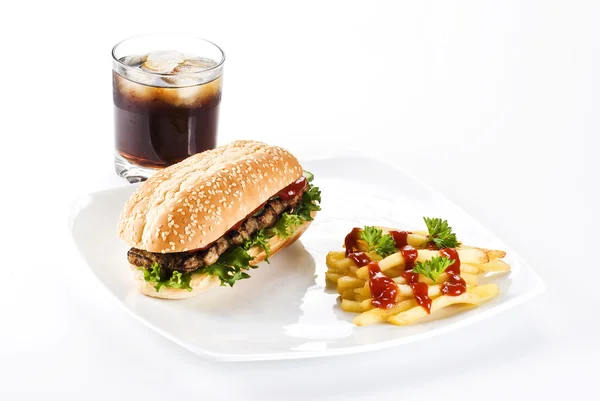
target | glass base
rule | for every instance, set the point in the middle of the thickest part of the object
(132, 172)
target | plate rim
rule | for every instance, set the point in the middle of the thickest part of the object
(539, 286)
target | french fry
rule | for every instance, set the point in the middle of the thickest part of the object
(494, 265)
(363, 273)
(362, 293)
(348, 282)
(377, 315)
(348, 294)
(470, 279)
(374, 256)
(362, 245)
(474, 296)
(340, 272)
(405, 290)
(495, 254)
(333, 277)
(484, 292)
(352, 270)
(466, 255)
(356, 306)
(338, 260)
(394, 272)
(394, 260)
(469, 268)
(417, 239)
(335, 255)
(491, 253)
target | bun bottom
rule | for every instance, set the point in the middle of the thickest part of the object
(203, 282)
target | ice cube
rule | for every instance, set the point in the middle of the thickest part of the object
(133, 61)
(182, 81)
(163, 62)
(192, 65)
(185, 74)
(142, 77)
(136, 84)
(198, 94)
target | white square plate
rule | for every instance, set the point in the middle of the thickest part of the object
(284, 311)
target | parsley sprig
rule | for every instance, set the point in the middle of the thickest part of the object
(381, 243)
(440, 233)
(433, 267)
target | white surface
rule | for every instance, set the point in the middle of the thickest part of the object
(285, 311)
(494, 104)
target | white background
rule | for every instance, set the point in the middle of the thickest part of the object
(493, 103)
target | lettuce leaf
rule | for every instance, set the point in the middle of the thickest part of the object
(285, 226)
(261, 238)
(156, 276)
(231, 265)
(309, 176)
(307, 205)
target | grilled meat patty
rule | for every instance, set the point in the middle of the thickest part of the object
(189, 261)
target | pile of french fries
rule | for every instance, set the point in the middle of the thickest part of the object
(352, 282)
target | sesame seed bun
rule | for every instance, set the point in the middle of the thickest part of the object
(191, 204)
(204, 282)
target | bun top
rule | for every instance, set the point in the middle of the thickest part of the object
(191, 204)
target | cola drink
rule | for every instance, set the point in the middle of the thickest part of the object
(166, 108)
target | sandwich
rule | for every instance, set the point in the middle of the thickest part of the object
(209, 219)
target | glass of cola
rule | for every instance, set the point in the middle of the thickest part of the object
(166, 93)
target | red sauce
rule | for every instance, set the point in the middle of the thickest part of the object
(420, 290)
(350, 240)
(360, 258)
(293, 189)
(383, 289)
(400, 238)
(410, 256)
(451, 254)
(455, 285)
